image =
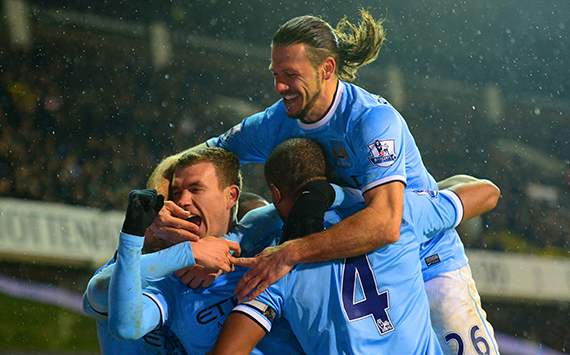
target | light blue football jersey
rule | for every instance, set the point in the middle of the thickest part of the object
(371, 304)
(158, 342)
(366, 141)
(197, 315)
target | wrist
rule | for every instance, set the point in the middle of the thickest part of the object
(293, 250)
(196, 251)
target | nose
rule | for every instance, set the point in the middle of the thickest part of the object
(185, 199)
(280, 86)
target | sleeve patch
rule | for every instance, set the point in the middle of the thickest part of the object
(382, 153)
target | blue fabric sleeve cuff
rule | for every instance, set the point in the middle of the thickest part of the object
(130, 241)
(164, 262)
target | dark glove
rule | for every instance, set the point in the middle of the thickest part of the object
(141, 211)
(307, 214)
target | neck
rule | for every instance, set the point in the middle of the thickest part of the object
(322, 106)
(232, 222)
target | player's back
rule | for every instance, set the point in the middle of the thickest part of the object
(374, 303)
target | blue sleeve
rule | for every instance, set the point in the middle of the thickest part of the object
(433, 212)
(108, 344)
(257, 230)
(265, 308)
(153, 267)
(250, 139)
(378, 141)
(131, 314)
(346, 197)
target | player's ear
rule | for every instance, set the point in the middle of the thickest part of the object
(328, 68)
(275, 194)
(232, 195)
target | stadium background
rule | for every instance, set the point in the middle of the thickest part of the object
(93, 95)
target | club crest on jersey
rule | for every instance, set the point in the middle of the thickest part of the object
(382, 152)
(340, 154)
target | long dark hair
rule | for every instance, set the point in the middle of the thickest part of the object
(352, 45)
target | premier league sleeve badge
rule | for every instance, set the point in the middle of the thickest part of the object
(382, 152)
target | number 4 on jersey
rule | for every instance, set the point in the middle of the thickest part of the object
(373, 304)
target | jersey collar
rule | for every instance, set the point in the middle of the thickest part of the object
(330, 113)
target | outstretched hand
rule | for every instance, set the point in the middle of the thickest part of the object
(141, 211)
(266, 268)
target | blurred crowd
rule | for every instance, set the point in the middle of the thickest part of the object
(83, 130)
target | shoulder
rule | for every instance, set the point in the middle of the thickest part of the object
(273, 112)
(367, 108)
(273, 120)
(260, 215)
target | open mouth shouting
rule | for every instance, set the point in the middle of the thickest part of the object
(197, 220)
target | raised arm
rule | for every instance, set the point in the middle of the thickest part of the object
(131, 314)
(155, 266)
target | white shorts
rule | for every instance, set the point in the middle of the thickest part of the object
(457, 317)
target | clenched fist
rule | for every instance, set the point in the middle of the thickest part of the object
(141, 211)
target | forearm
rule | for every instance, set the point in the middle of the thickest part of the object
(478, 197)
(239, 335)
(130, 317)
(153, 266)
(358, 234)
(455, 180)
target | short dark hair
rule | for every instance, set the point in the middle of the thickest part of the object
(352, 45)
(294, 163)
(225, 162)
(249, 201)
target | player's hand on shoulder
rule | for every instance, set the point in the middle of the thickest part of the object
(214, 253)
(142, 209)
(171, 225)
